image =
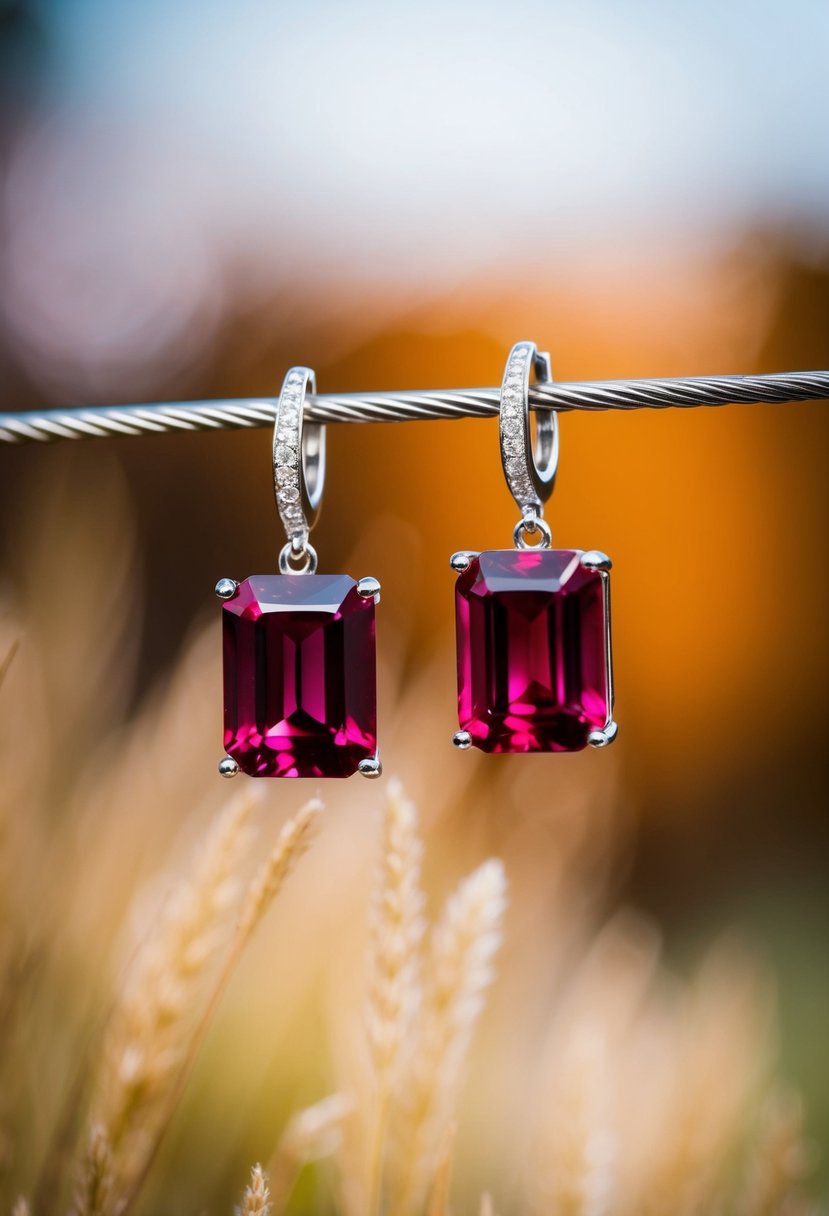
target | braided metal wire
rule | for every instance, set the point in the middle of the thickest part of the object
(100, 421)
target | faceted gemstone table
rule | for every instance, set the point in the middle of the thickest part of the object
(532, 669)
(299, 676)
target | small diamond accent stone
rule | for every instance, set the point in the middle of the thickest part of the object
(285, 454)
(285, 475)
(289, 494)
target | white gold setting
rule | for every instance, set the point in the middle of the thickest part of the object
(530, 470)
(227, 588)
(369, 589)
(461, 561)
(462, 740)
(594, 559)
(298, 470)
(605, 736)
(535, 527)
(370, 768)
(228, 767)
(297, 561)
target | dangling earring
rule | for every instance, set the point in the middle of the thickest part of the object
(533, 623)
(299, 647)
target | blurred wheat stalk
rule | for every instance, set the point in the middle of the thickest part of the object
(601, 1086)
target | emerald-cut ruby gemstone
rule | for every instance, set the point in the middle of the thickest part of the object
(299, 676)
(532, 668)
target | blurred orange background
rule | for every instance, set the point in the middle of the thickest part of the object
(716, 519)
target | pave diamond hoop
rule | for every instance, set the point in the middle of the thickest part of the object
(298, 469)
(530, 469)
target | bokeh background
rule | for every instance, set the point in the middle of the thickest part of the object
(195, 196)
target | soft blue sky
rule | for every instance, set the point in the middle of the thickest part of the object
(189, 153)
(437, 127)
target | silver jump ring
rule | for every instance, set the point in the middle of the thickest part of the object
(527, 526)
(298, 561)
(530, 473)
(298, 460)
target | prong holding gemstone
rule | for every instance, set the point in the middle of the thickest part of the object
(462, 561)
(228, 767)
(604, 737)
(462, 739)
(369, 589)
(370, 768)
(594, 559)
(227, 588)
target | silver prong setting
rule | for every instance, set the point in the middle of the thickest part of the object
(228, 767)
(227, 588)
(462, 740)
(605, 736)
(369, 589)
(370, 768)
(594, 559)
(462, 561)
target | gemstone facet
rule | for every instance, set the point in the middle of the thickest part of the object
(299, 676)
(532, 664)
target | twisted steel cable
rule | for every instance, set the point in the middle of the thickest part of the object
(98, 422)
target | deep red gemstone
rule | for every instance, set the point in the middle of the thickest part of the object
(299, 676)
(532, 672)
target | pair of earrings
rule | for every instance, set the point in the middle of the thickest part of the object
(533, 623)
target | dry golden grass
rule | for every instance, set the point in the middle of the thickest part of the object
(459, 970)
(311, 1135)
(393, 997)
(256, 1200)
(162, 1014)
(164, 990)
(94, 1195)
(151, 1025)
(420, 1013)
(577, 1178)
(438, 1204)
(778, 1161)
(267, 882)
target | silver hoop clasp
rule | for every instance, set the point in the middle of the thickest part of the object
(298, 468)
(530, 471)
